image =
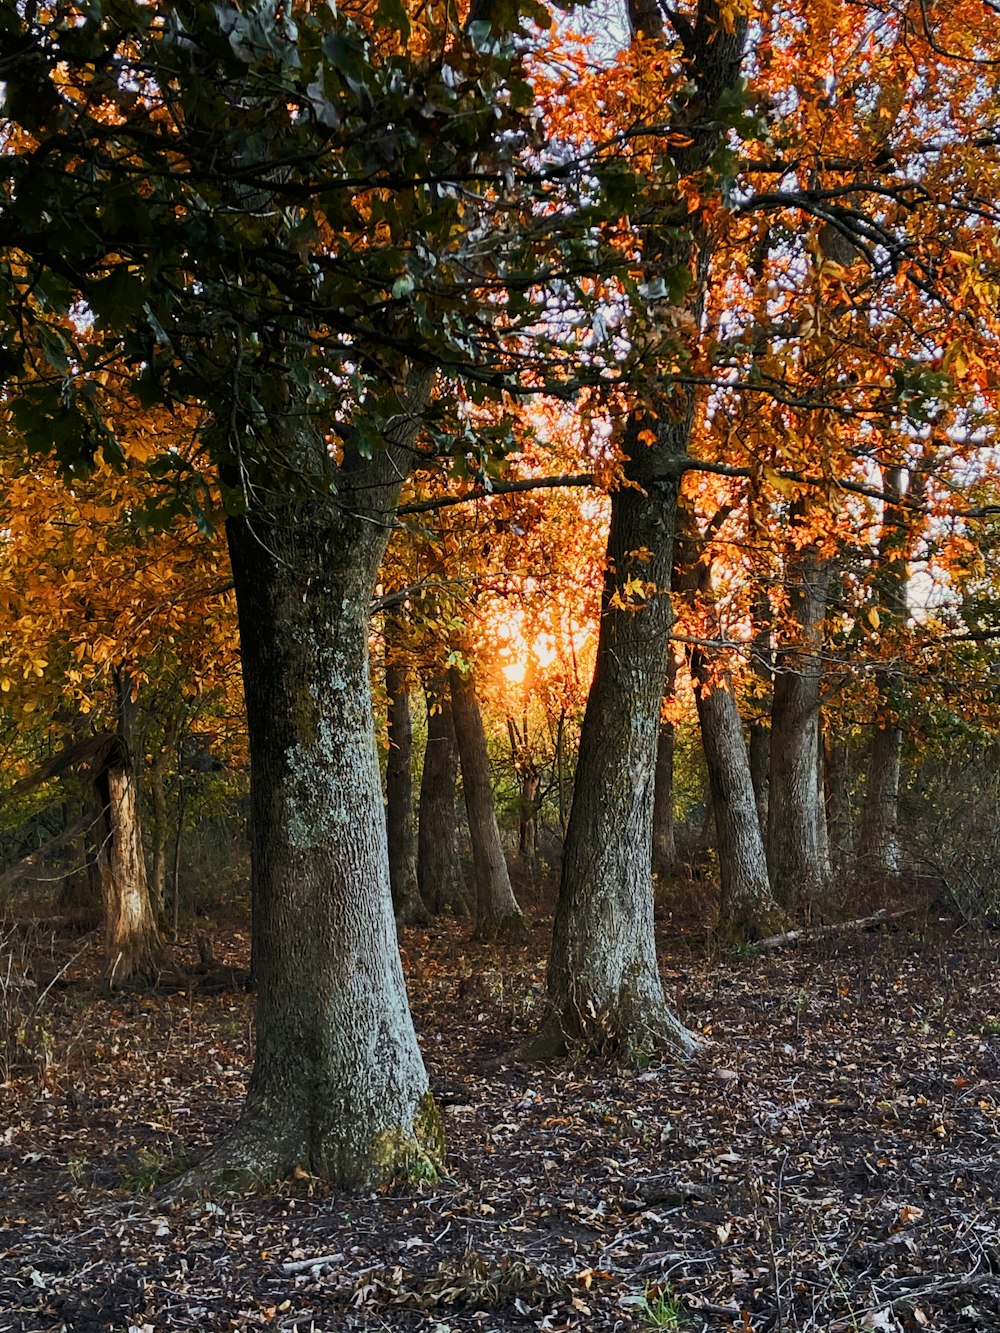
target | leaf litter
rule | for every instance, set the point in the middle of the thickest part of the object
(829, 1162)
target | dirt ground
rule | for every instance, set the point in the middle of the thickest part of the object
(830, 1161)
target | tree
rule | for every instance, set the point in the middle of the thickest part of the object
(400, 827)
(747, 910)
(438, 867)
(497, 910)
(132, 938)
(603, 981)
(269, 272)
(793, 814)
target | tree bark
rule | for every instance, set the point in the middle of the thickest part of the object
(438, 865)
(879, 852)
(822, 827)
(603, 982)
(793, 808)
(161, 830)
(497, 910)
(529, 782)
(406, 900)
(760, 730)
(747, 910)
(760, 771)
(664, 842)
(839, 811)
(338, 1083)
(132, 940)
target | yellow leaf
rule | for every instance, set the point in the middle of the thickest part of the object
(781, 484)
(873, 617)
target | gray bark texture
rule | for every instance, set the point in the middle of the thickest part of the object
(793, 837)
(879, 852)
(497, 910)
(760, 771)
(822, 828)
(438, 864)
(338, 1083)
(664, 841)
(760, 730)
(603, 983)
(747, 910)
(400, 825)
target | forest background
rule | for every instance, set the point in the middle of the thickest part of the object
(615, 390)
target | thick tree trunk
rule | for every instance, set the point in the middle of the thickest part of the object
(406, 900)
(793, 845)
(603, 981)
(497, 910)
(438, 865)
(132, 940)
(338, 1083)
(879, 853)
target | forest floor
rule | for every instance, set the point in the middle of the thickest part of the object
(831, 1161)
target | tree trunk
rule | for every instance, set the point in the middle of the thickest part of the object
(529, 782)
(793, 807)
(747, 910)
(879, 853)
(132, 940)
(161, 829)
(438, 866)
(603, 981)
(527, 823)
(338, 1084)
(839, 811)
(406, 900)
(497, 911)
(760, 771)
(664, 843)
(762, 661)
(823, 831)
